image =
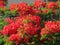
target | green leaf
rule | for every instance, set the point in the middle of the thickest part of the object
(1, 26)
(8, 43)
(13, 12)
(32, 43)
(2, 23)
(43, 37)
(7, 12)
(59, 3)
(5, 38)
(49, 11)
(27, 21)
(1, 40)
(42, 8)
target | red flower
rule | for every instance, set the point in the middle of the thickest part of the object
(51, 26)
(1, 0)
(9, 20)
(10, 29)
(30, 30)
(24, 8)
(42, 4)
(45, 11)
(38, 4)
(44, 31)
(2, 4)
(5, 30)
(15, 37)
(54, 11)
(58, 24)
(36, 19)
(13, 28)
(52, 5)
(36, 11)
(26, 39)
(13, 6)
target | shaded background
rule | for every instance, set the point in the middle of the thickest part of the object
(16, 1)
(27, 1)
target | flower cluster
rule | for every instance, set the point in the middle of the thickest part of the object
(50, 27)
(34, 24)
(39, 3)
(29, 25)
(52, 5)
(2, 3)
